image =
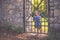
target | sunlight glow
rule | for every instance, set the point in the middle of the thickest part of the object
(44, 22)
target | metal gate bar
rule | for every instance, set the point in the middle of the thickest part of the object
(24, 14)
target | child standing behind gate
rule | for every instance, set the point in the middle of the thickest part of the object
(37, 21)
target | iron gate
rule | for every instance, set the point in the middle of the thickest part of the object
(30, 7)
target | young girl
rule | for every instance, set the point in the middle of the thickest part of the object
(37, 21)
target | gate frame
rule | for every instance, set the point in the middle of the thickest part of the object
(24, 15)
(36, 9)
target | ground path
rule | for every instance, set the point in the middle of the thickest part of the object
(10, 35)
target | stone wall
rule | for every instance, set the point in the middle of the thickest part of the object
(54, 13)
(54, 26)
(11, 12)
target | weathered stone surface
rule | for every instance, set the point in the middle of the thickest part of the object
(12, 12)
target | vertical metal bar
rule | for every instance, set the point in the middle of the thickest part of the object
(44, 25)
(24, 14)
(34, 13)
(31, 18)
(35, 10)
(45, 17)
(48, 16)
(37, 4)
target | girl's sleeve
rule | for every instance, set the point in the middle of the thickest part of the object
(40, 18)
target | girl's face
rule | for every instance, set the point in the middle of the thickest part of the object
(36, 13)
